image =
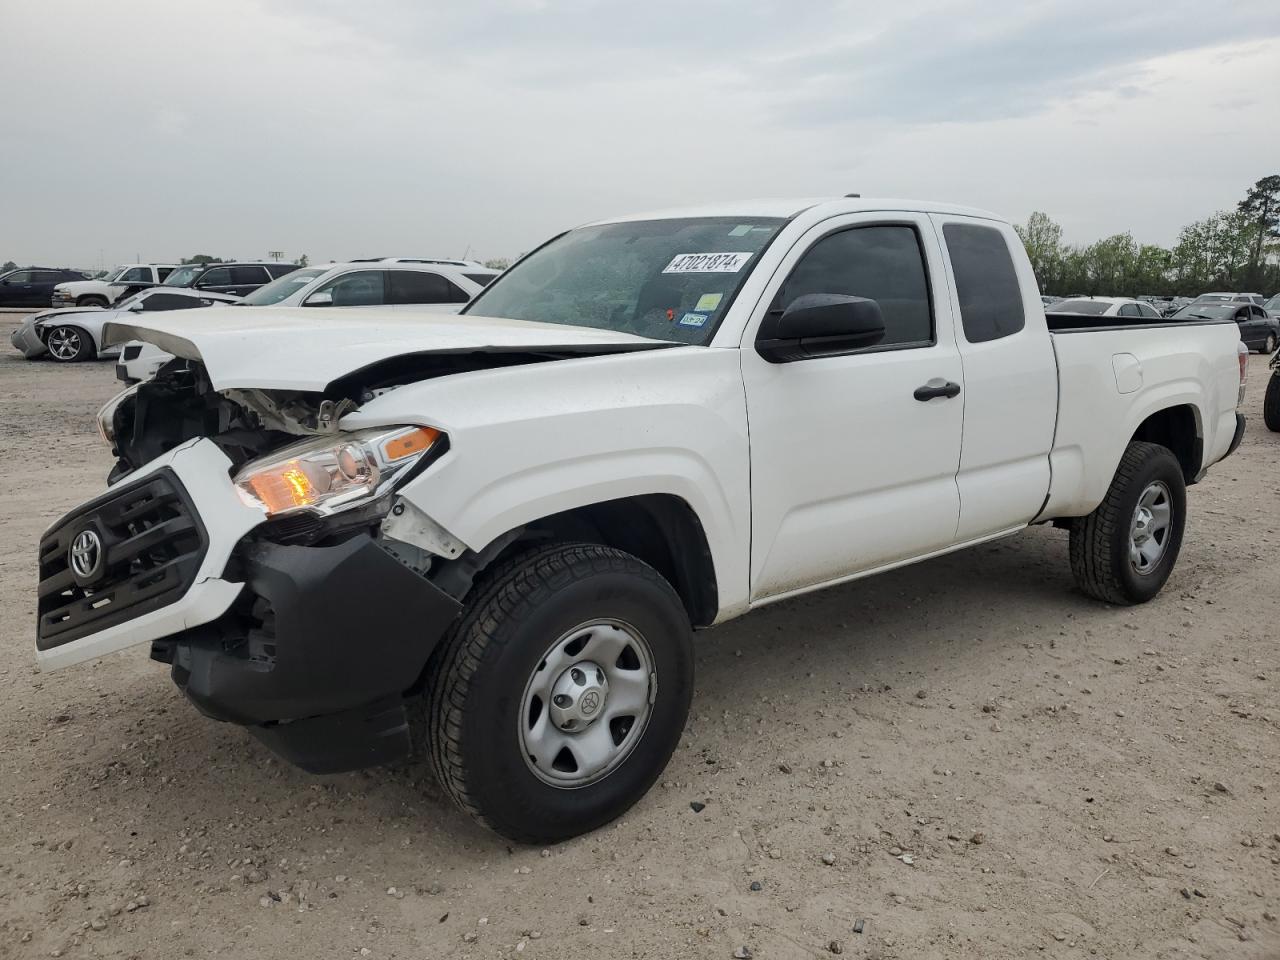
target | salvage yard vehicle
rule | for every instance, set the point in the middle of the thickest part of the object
(118, 283)
(1107, 307)
(33, 286)
(73, 334)
(514, 516)
(431, 286)
(1271, 399)
(233, 279)
(1259, 330)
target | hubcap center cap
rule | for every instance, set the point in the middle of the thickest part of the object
(579, 696)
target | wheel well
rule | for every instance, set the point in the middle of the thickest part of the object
(1178, 429)
(660, 529)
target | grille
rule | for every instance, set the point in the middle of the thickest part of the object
(152, 544)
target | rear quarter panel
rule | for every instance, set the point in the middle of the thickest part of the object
(1159, 367)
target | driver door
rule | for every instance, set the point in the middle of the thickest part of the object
(850, 470)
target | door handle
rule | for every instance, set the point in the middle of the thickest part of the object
(937, 388)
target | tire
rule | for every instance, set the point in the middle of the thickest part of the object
(518, 631)
(92, 301)
(1271, 404)
(1269, 347)
(1102, 543)
(68, 344)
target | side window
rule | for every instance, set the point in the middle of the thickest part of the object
(881, 263)
(47, 276)
(163, 272)
(215, 277)
(22, 276)
(986, 282)
(169, 301)
(1130, 310)
(360, 288)
(135, 275)
(243, 276)
(484, 279)
(419, 286)
(1148, 311)
(278, 270)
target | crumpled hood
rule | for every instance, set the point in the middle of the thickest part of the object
(61, 312)
(307, 348)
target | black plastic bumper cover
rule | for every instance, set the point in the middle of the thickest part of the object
(350, 628)
(1239, 435)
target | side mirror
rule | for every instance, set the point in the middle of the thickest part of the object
(136, 307)
(322, 299)
(820, 325)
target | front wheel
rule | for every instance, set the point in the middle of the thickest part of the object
(1269, 347)
(92, 301)
(1271, 404)
(557, 698)
(68, 344)
(1125, 550)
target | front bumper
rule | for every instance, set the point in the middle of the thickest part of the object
(310, 647)
(316, 654)
(26, 339)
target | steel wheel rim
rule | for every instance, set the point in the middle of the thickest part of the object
(581, 739)
(1150, 527)
(63, 343)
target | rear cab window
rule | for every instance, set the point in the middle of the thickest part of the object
(986, 282)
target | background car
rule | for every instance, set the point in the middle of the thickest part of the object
(116, 284)
(1108, 307)
(33, 286)
(72, 334)
(231, 279)
(388, 284)
(1258, 329)
(1272, 306)
(1230, 298)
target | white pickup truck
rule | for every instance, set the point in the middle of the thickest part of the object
(115, 285)
(648, 424)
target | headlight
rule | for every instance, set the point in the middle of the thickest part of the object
(332, 473)
(107, 415)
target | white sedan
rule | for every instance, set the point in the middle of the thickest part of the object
(71, 334)
(1106, 307)
(433, 286)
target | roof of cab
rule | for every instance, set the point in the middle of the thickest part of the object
(787, 208)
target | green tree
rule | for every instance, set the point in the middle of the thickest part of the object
(498, 263)
(9, 265)
(302, 261)
(1261, 205)
(203, 258)
(1043, 240)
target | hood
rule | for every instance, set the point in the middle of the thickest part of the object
(304, 348)
(62, 312)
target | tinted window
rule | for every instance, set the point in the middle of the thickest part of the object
(480, 278)
(880, 263)
(47, 276)
(986, 282)
(135, 275)
(1130, 310)
(280, 269)
(362, 288)
(164, 272)
(216, 277)
(20, 276)
(1148, 311)
(418, 286)
(244, 276)
(170, 301)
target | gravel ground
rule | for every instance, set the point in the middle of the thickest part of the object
(962, 759)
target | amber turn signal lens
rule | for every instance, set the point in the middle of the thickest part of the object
(408, 444)
(284, 490)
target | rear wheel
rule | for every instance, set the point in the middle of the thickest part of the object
(1270, 346)
(92, 301)
(68, 344)
(1125, 550)
(1271, 404)
(557, 698)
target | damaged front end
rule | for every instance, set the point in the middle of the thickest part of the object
(324, 619)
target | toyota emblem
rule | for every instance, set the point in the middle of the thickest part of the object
(590, 703)
(86, 554)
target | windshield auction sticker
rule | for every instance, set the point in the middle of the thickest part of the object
(707, 263)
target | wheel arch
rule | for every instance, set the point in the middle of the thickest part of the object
(1180, 429)
(83, 331)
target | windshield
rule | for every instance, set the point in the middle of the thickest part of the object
(1206, 311)
(282, 287)
(184, 275)
(1273, 305)
(1094, 308)
(1214, 298)
(664, 279)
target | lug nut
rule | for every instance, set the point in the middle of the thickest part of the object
(579, 677)
(561, 700)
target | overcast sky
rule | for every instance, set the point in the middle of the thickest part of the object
(399, 127)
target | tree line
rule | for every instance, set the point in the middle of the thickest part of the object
(1233, 250)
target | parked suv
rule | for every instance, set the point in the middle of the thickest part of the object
(33, 286)
(118, 283)
(430, 285)
(235, 279)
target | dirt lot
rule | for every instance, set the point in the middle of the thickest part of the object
(994, 765)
